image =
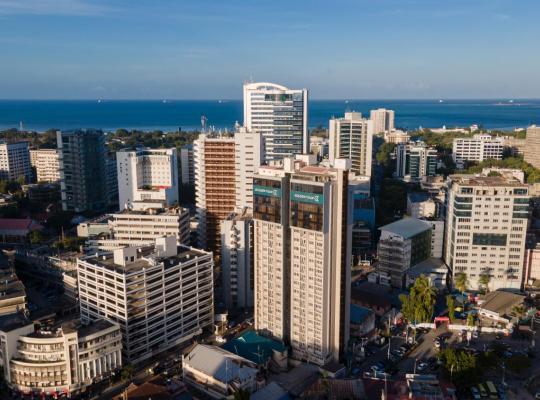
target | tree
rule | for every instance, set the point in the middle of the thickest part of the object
(461, 283)
(470, 320)
(460, 366)
(36, 237)
(519, 311)
(451, 307)
(484, 281)
(241, 394)
(419, 305)
(127, 372)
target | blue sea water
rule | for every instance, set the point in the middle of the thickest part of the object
(169, 115)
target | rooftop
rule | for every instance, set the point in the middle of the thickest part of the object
(11, 322)
(407, 227)
(359, 313)
(254, 347)
(477, 180)
(418, 197)
(220, 364)
(18, 224)
(500, 302)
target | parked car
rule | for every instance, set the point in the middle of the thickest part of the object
(475, 393)
(422, 367)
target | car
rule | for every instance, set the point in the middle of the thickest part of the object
(437, 344)
(423, 366)
(377, 368)
(475, 393)
(537, 395)
(475, 334)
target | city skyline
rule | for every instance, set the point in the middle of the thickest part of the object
(82, 49)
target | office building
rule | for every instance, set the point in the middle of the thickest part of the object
(477, 149)
(281, 115)
(12, 293)
(60, 361)
(215, 187)
(351, 137)
(363, 216)
(160, 295)
(46, 163)
(486, 229)
(383, 120)
(415, 160)
(396, 137)
(248, 153)
(130, 228)
(237, 260)
(302, 247)
(83, 170)
(532, 146)
(187, 164)
(111, 171)
(402, 245)
(15, 161)
(146, 176)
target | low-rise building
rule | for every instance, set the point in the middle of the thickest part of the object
(217, 372)
(12, 293)
(498, 306)
(46, 163)
(421, 205)
(362, 321)
(478, 148)
(58, 361)
(16, 230)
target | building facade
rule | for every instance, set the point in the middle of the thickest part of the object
(237, 261)
(59, 361)
(402, 245)
(478, 148)
(187, 164)
(415, 160)
(532, 146)
(146, 176)
(352, 137)
(383, 120)
(215, 187)
(486, 228)
(160, 295)
(280, 114)
(15, 161)
(248, 157)
(46, 163)
(83, 171)
(302, 257)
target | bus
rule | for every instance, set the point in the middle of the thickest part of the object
(493, 394)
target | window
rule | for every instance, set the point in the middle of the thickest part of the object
(481, 239)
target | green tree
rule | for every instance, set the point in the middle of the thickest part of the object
(470, 320)
(519, 311)
(461, 283)
(450, 303)
(484, 281)
(36, 237)
(127, 372)
(419, 305)
(460, 366)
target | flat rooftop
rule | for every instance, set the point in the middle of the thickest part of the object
(477, 180)
(152, 211)
(407, 227)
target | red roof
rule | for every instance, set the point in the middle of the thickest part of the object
(18, 224)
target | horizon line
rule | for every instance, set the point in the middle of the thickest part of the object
(240, 99)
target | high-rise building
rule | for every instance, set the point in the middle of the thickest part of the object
(532, 146)
(83, 171)
(352, 137)
(237, 260)
(137, 228)
(15, 161)
(61, 361)
(383, 120)
(402, 245)
(146, 176)
(363, 216)
(187, 164)
(486, 228)
(281, 115)
(478, 148)
(160, 295)
(302, 247)
(215, 187)
(249, 153)
(46, 163)
(415, 160)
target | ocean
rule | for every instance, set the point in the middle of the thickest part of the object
(171, 115)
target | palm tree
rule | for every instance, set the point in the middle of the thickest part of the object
(484, 281)
(461, 283)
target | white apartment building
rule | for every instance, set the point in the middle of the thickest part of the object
(302, 243)
(352, 137)
(147, 176)
(237, 260)
(60, 361)
(531, 151)
(248, 157)
(160, 295)
(383, 120)
(130, 228)
(478, 148)
(281, 115)
(15, 161)
(47, 164)
(486, 229)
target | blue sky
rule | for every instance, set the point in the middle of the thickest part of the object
(135, 49)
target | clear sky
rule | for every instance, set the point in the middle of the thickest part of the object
(202, 49)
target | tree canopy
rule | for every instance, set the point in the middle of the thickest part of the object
(532, 175)
(419, 305)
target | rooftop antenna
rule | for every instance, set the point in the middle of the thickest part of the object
(20, 126)
(204, 120)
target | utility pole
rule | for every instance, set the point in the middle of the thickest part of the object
(389, 344)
